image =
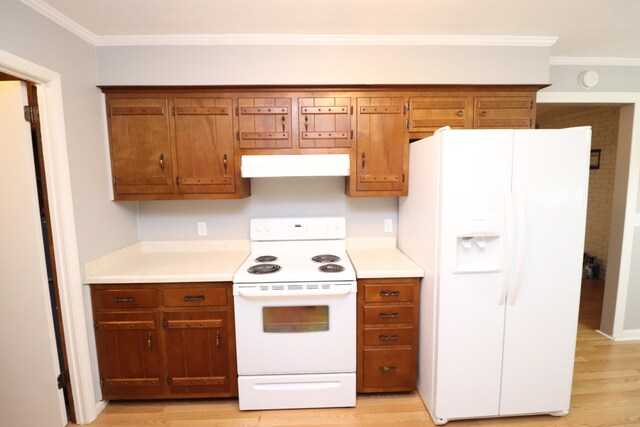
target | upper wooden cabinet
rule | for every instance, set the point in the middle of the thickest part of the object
(433, 112)
(204, 145)
(504, 112)
(325, 122)
(264, 123)
(141, 159)
(381, 155)
(166, 147)
(187, 142)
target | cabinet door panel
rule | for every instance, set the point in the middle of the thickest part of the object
(197, 352)
(325, 122)
(129, 354)
(140, 146)
(380, 157)
(204, 145)
(506, 112)
(389, 369)
(428, 114)
(264, 123)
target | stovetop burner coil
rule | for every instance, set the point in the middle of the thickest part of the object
(326, 258)
(266, 258)
(263, 268)
(331, 268)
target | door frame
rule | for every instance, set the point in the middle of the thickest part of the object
(616, 288)
(67, 262)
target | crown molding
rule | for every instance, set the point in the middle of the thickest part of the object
(603, 61)
(324, 39)
(63, 20)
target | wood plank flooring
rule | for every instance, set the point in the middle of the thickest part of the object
(606, 392)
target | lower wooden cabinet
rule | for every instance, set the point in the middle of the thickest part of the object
(387, 334)
(165, 340)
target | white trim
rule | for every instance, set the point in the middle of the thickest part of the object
(61, 19)
(325, 39)
(632, 185)
(56, 164)
(629, 335)
(604, 334)
(100, 406)
(603, 61)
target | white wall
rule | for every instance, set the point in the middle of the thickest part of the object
(101, 226)
(271, 197)
(220, 65)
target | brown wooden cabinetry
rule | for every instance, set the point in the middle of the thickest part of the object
(264, 123)
(140, 145)
(165, 340)
(325, 122)
(433, 112)
(173, 147)
(504, 112)
(387, 334)
(379, 162)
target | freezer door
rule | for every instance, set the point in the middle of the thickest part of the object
(550, 180)
(476, 176)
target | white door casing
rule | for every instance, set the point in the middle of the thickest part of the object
(28, 362)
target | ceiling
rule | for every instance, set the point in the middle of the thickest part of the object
(584, 28)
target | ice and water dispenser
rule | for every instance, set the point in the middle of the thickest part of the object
(478, 247)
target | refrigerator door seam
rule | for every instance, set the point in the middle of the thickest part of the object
(508, 236)
(521, 236)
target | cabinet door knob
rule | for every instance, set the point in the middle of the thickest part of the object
(306, 123)
(149, 340)
(363, 160)
(484, 114)
(460, 113)
(283, 122)
(161, 161)
(224, 163)
(218, 338)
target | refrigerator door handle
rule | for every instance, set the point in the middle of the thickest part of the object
(521, 235)
(508, 236)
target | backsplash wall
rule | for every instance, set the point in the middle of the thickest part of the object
(271, 197)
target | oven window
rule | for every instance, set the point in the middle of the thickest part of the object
(312, 318)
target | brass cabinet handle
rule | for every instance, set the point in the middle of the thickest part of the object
(192, 298)
(162, 161)
(283, 121)
(125, 299)
(306, 122)
(484, 114)
(363, 160)
(224, 163)
(389, 293)
(460, 113)
(387, 369)
(389, 337)
(149, 340)
(394, 315)
(218, 338)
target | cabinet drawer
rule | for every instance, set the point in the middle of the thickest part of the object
(389, 369)
(388, 336)
(194, 297)
(388, 314)
(125, 298)
(392, 292)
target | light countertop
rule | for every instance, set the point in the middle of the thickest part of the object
(379, 258)
(169, 261)
(218, 260)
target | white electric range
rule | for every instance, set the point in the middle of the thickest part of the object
(295, 315)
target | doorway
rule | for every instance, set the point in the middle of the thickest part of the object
(39, 180)
(604, 120)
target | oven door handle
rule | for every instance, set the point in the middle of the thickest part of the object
(254, 293)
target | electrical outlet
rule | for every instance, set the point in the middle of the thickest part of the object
(202, 228)
(388, 225)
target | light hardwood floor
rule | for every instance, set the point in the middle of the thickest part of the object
(606, 392)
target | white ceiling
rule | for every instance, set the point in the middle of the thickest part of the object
(584, 28)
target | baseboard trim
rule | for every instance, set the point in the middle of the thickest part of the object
(629, 335)
(100, 406)
(605, 335)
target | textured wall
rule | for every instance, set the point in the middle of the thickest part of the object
(604, 123)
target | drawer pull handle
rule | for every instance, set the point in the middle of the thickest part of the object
(389, 337)
(387, 369)
(389, 293)
(218, 338)
(125, 299)
(384, 315)
(193, 298)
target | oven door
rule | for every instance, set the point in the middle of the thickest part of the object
(295, 332)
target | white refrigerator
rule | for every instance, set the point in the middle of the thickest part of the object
(496, 218)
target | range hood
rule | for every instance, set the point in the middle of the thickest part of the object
(271, 166)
